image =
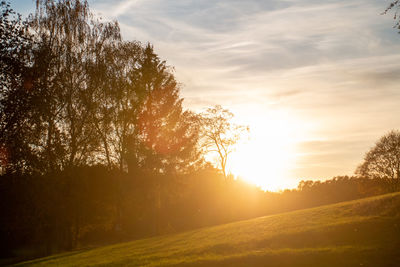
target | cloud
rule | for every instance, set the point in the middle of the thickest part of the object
(333, 63)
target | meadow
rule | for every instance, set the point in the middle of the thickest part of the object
(363, 232)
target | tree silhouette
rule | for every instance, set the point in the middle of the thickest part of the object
(16, 94)
(383, 160)
(220, 134)
(69, 41)
(394, 5)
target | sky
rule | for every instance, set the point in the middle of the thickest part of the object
(317, 82)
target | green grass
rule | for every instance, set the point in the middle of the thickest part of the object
(357, 233)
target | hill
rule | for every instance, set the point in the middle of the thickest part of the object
(357, 233)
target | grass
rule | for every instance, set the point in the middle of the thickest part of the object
(357, 233)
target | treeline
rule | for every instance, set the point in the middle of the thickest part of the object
(316, 193)
(95, 146)
(92, 205)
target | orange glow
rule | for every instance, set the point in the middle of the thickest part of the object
(268, 156)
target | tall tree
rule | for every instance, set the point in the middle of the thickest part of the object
(114, 98)
(153, 137)
(16, 94)
(165, 138)
(68, 38)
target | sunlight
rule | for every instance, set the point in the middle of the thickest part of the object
(267, 156)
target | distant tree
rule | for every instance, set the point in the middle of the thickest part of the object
(383, 160)
(220, 134)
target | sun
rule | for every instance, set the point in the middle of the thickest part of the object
(267, 157)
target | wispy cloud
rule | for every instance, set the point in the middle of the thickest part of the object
(334, 63)
(333, 66)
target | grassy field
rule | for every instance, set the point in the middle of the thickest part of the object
(357, 233)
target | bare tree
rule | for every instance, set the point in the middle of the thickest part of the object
(383, 160)
(69, 41)
(395, 5)
(220, 134)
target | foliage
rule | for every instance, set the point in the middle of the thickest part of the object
(15, 81)
(164, 139)
(70, 41)
(14, 44)
(383, 160)
(94, 98)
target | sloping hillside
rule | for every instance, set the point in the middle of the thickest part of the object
(358, 233)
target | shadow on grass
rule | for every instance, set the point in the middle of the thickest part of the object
(53, 257)
(305, 258)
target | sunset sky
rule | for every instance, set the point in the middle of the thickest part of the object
(316, 81)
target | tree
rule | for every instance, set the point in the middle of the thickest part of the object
(72, 39)
(383, 160)
(117, 111)
(394, 5)
(161, 141)
(48, 97)
(15, 92)
(165, 136)
(220, 134)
